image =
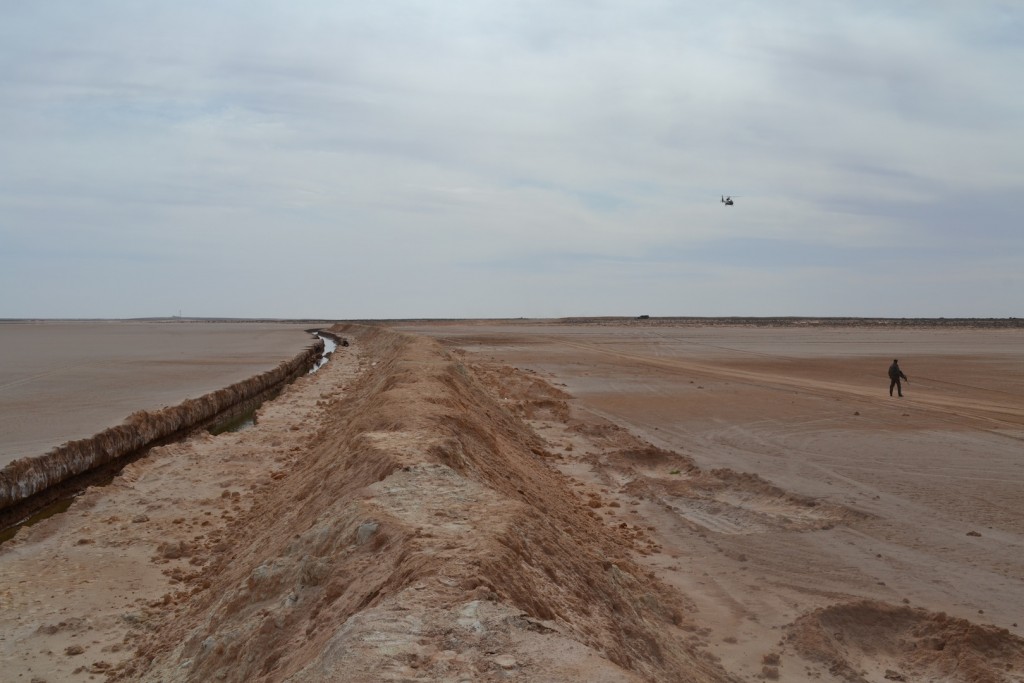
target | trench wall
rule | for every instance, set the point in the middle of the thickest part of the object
(26, 477)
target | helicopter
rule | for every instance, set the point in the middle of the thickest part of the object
(727, 200)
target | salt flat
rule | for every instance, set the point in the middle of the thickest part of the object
(69, 380)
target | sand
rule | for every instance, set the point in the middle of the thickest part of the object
(532, 501)
(61, 381)
(929, 486)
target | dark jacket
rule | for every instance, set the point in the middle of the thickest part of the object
(895, 373)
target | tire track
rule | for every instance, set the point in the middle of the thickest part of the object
(998, 415)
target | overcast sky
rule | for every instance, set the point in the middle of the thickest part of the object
(502, 159)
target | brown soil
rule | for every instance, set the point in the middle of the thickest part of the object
(866, 641)
(546, 504)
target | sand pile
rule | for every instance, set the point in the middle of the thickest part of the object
(420, 537)
(870, 641)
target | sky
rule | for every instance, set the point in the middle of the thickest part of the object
(468, 159)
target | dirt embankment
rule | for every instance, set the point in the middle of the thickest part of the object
(26, 477)
(421, 537)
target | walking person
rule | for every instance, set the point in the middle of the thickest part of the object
(894, 378)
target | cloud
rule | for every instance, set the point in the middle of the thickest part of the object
(518, 146)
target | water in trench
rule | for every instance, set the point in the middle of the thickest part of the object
(329, 347)
(234, 424)
(243, 421)
(54, 508)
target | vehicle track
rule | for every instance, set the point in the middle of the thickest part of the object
(996, 414)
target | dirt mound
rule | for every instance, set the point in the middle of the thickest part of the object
(872, 641)
(719, 500)
(524, 395)
(420, 536)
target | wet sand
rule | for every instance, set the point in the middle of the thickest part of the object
(535, 501)
(61, 381)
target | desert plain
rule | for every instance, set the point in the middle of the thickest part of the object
(572, 500)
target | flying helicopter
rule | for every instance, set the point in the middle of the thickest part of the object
(727, 200)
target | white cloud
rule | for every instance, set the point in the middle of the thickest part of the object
(434, 143)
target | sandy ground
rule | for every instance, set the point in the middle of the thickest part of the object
(918, 500)
(544, 502)
(61, 381)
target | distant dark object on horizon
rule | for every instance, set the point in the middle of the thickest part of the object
(643, 317)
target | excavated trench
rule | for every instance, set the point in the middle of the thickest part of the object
(418, 533)
(245, 416)
(34, 489)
